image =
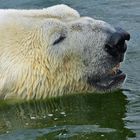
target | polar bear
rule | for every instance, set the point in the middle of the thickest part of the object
(54, 51)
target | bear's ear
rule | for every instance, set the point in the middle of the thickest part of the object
(62, 12)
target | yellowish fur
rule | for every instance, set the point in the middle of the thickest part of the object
(25, 71)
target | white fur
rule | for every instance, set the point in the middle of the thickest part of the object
(32, 67)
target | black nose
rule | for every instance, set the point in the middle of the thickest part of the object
(116, 45)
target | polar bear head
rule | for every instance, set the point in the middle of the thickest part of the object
(85, 54)
(55, 53)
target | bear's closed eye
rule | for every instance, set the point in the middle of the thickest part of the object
(60, 39)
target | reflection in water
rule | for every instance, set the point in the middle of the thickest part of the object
(71, 117)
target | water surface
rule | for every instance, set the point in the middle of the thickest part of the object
(114, 116)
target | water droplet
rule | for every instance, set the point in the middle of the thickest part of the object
(32, 117)
(55, 119)
(62, 113)
(26, 123)
(50, 115)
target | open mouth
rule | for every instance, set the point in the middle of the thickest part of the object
(112, 81)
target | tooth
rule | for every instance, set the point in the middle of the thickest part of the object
(118, 66)
(114, 71)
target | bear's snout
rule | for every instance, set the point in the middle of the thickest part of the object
(116, 45)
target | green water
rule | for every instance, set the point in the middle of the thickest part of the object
(76, 117)
(113, 116)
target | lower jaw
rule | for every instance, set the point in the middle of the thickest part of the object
(114, 83)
